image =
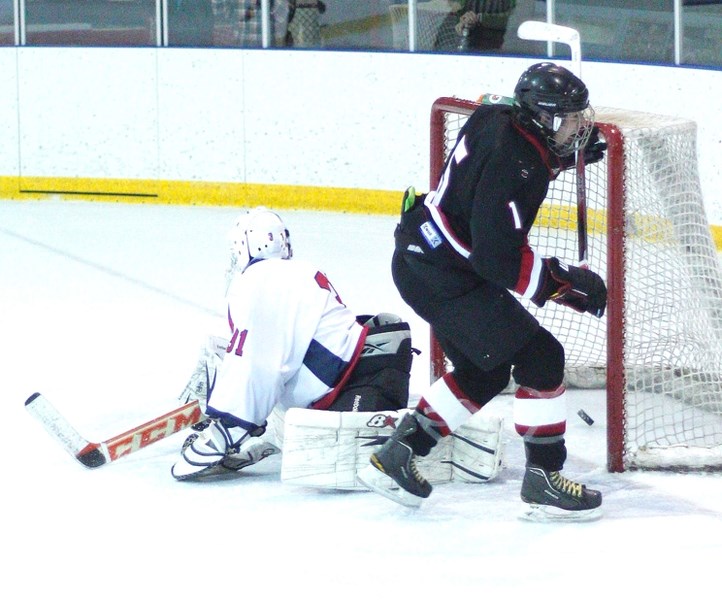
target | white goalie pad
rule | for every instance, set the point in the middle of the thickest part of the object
(477, 450)
(325, 449)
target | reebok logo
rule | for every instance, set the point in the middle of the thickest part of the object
(431, 235)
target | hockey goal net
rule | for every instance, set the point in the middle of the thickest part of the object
(658, 349)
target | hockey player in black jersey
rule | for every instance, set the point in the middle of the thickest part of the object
(462, 253)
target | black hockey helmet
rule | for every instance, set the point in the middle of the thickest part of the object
(553, 101)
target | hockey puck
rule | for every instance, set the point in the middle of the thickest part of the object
(585, 417)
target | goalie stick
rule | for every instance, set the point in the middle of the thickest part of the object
(96, 454)
(550, 32)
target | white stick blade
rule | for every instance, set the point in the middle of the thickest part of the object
(549, 32)
(55, 424)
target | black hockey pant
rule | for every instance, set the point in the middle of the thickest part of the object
(483, 329)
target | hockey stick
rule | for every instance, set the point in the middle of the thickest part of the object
(549, 32)
(581, 189)
(95, 454)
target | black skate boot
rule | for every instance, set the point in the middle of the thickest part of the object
(550, 496)
(395, 462)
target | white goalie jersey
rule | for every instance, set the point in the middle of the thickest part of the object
(297, 361)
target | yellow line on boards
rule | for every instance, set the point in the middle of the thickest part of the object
(279, 197)
(352, 200)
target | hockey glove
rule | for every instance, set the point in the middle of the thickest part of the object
(593, 151)
(595, 148)
(581, 289)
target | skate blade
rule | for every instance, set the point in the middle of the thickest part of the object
(541, 513)
(180, 475)
(383, 485)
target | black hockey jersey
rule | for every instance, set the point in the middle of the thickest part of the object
(493, 184)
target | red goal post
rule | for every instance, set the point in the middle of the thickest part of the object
(658, 350)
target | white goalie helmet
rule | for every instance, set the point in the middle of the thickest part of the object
(258, 234)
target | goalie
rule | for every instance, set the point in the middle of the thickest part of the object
(295, 346)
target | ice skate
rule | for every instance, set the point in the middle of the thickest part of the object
(549, 496)
(253, 450)
(397, 462)
(213, 451)
(202, 452)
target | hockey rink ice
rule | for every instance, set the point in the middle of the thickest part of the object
(103, 309)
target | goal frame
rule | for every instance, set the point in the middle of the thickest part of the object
(615, 375)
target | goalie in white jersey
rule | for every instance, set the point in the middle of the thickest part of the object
(295, 345)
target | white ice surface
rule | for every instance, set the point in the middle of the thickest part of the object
(103, 308)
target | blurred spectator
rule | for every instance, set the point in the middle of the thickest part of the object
(476, 25)
(239, 22)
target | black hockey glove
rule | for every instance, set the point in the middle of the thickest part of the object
(593, 151)
(581, 289)
(595, 148)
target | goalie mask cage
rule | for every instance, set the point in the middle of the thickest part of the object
(658, 349)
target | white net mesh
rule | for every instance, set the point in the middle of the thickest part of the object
(673, 307)
(672, 320)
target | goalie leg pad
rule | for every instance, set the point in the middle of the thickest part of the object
(473, 453)
(328, 449)
(325, 449)
(477, 450)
